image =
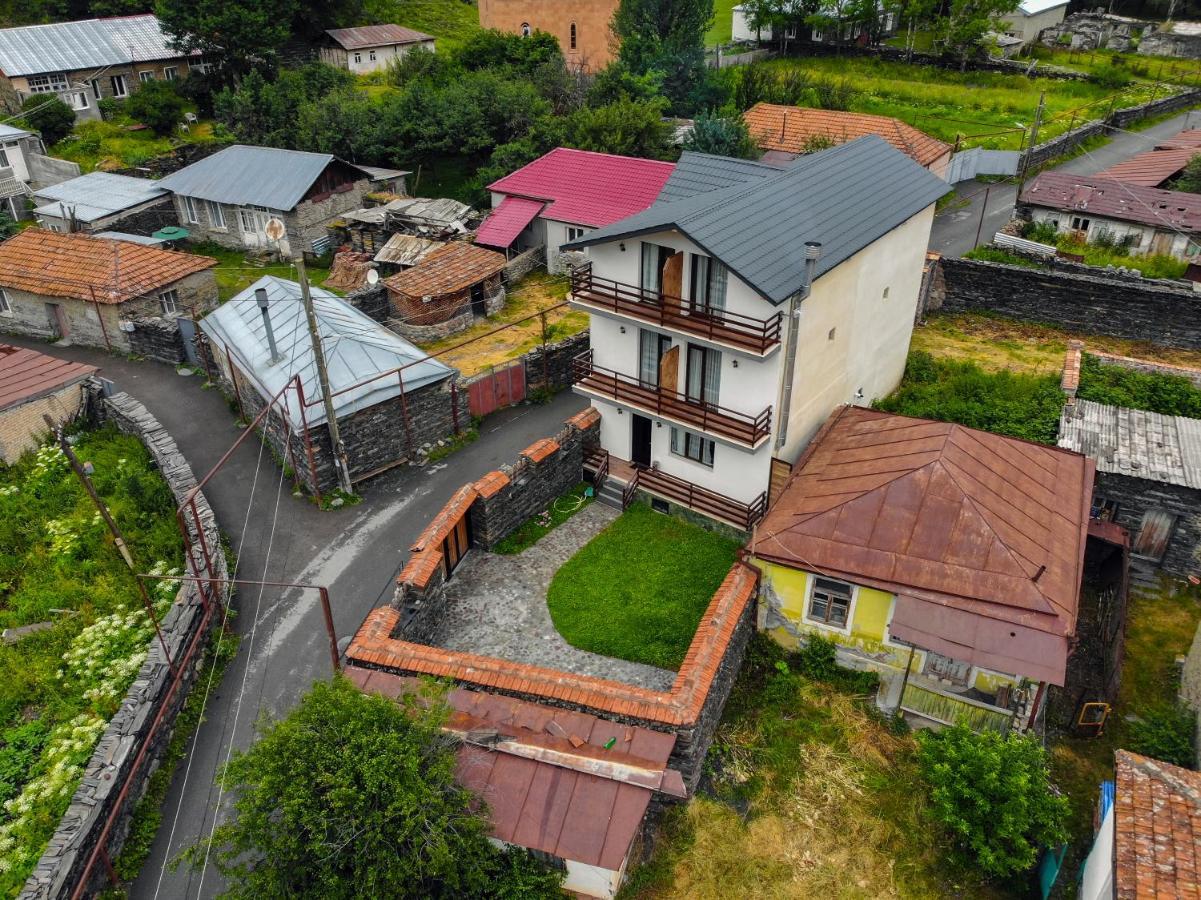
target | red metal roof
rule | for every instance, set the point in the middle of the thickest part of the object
(981, 524)
(1151, 169)
(26, 374)
(1157, 828)
(376, 36)
(507, 221)
(1169, 210)
(553, 807)
(586, 188)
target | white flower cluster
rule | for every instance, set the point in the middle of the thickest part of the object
(63, 539)
(9, 490)
(50, 460)
(166, 589)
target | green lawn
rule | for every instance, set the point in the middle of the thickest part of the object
(112, 145)
(450, 21)
(721, 30)
(234, 273)
(638, 589)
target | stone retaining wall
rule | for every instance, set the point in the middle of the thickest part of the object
(112, 762)
(158, 339)
(524, 263)
(552, 371)
(1136, 496)
(371, 300)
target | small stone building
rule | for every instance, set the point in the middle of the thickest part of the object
(99, 201)
(117, 295)
(446, 291)
(33, 385)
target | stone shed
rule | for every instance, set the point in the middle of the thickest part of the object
(33, 385)
(447, 291)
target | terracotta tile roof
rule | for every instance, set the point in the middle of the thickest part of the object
(453, 267)
(77, 265)
(984, 532)
(790, 128)
(585, 418)
(1092, 194)
(1157, 829)
(540, 450)
(492, 484)
(26, 374)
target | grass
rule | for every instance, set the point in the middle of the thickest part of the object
(638, 589)
(234, 273)
(1152, 266)
(450, 21)
(532, 530)
(111, 145)
(985, 253)
(536, 292)
(1170, 395)
(721, 29)
(1144, 68)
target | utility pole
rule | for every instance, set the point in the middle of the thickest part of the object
(1038, 120)
(323, 377)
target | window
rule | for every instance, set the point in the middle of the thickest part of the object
(704, 374)
(95, 83)
(525, 29)
(1079, 223)
(371, 55)
(358, 57)
(169, 301)
(118, 83)
(651, 347)
(170, 73)
(216, 214)
(573, 35)
(692, 446)
(830, 602)
(77, 99)
(708, 287)
(47, 84)
(886, 293)
(249, 218)
(145, 76)
(574, 234)
(1104, 509)
(4, 157)
(189, 208)
(6, 308)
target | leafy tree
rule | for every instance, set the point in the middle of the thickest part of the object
(158, 105)
(914, 15)
(966, 23)
(353, 795)
(723, 136)
(238, 34)
(1190, 179)
(665, 36)
(626, 127)
(8, 227)
(48, 115)
(616, 82)
(492, 49)
(993, 795)
(780, 17)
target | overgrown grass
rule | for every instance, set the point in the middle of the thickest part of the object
(450, 21)
(235, 271)
(534, 529)
(638, 589)
(1137, 66)
(1172, 395)
(102, 145)
(1005, 402)
(721, 29)
(1151, 265)
(986, 253)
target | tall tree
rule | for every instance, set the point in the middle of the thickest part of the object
(665, 36)
(239, 35)
(966, 23)
(722, 136)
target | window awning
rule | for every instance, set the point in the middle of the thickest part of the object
(989, 643)
(507, 221)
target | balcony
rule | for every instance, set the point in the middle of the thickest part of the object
(747, 333)
(741, 428)
(684, 493)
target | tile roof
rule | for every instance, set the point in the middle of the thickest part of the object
(1134, 442)
(1157, 829)
(507, 220)
(452, 267)
(85, 44)
(757, 228)
(1168, 210)
(86, 268)
(957, 518)
(790, 128)
(586, 188)
(573, 801)
(26, 374)
(96, 195)
(698, 173)
(376, 36)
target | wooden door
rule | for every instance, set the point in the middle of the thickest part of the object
(672, 280)
(1161, 243)
(640, 440)
(455, 547)
(669, 370)
(1154, 534)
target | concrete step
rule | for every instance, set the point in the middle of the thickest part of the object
(611, 491)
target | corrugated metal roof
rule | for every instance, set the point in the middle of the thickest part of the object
(86, 44)
(406, 250)
(699, 173)
(757, 229)
(376, 36)
(27, 374)
(1034, 7)
(96, 195)
(437, 212)
(507, 221)
(1150, 169)
(1169, 210)
(132, 238)
(1134, 442)
(356, 348)
(9, 133)
(246, 175)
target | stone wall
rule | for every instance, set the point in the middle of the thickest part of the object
(1043, 153)
(145, 221)
(158, 339)
(551, 371)
(1190, 686)
(372, 300)
(306, 223)
(179, 158)
(524, 263)
(1167, 43)
(22, 428)
(1087, 304)
(1135, 496)
(185, 625)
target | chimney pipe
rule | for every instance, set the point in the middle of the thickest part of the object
(260, 294)
(813, 251)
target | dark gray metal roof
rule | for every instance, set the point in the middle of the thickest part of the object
(845, 198)
(1134, 442)
(698, 173)
(86, 44)
(246, 175)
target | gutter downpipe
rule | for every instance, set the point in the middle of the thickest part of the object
(813, 251)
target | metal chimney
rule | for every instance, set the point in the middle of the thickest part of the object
(260, 294)
(813, 251)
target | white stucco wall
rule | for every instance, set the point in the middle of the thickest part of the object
(1097, 878)
(1144, 236)
(345, 59)
(1028, 27)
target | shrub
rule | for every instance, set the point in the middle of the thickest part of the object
(1042, 232)
(1166, 732)
(1170, 395)
(818, 659)
(1112, 77)
(48, 115)
(997, 255)
(993, 795)
(158, 105)
(722, 136)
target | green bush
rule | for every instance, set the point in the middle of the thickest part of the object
(993, 795)
(1112, 77)
(157, 105)
(1171, 395)
(1166, 732)
(49, 116)
(817, 659)
(1042, 232)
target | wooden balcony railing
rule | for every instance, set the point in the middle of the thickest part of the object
(737, 330)
(596, 463)
(702, 500)
(708, 417)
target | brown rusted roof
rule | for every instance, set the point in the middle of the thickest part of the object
(84, 267)
(1112, 199)
(452, 267)
(789, 129)
(1157, 828)
(26, 374)
(364, 36)
(552, 783)
(1151, 169)
(944, 515)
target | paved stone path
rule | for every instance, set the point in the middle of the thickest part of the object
(496, 606)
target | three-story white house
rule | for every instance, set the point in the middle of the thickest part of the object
(731, 317)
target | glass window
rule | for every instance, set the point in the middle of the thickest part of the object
(830, 602)
(246, 219)
(371, 55)
(525, 29)
(4, 157)
(358, 57)
(708, 288)
(692, 446)
(145, 76)
(47, 84)
(6, 308)
(216, 214)
(95, 83)
(189, 207)
(170, 73)
(78, 99)
(169, 301)
(118, 83)
(651, 347)
(573, 35)
(704, 374)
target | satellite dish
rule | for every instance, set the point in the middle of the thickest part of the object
(372, 276)
(275, 229)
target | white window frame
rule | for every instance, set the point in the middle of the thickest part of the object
(680, 438)
(246, 220)
(78, 100)
(189, 208)
(358, 57)
(116, 80)
(216, 215)
(371, 55)
(94, 84)
(51, 83)
(826, 626)
(146, 75)
(4, 156)
(170, 73)
(168, 302)
(6, 307)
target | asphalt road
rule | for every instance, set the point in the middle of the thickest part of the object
(955, 228)
(355, 551)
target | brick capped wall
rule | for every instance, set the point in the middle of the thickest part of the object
(22, 427)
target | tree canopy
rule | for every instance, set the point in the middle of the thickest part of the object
(666, 37)
(48, 115)
(723, 136)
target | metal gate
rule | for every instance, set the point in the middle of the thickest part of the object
(1153, 535)
(497, 389)
(187, 336)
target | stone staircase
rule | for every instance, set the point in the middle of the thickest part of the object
(611, 491)
(1145, 579)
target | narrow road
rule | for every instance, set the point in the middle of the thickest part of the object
(355, 551)
(956, 227)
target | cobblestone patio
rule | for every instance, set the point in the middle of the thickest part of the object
(496, 606)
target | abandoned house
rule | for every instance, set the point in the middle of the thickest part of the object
(1032, 17)
(368, 229)
(100, 200)
(117, 295)
(230, 197)
(33, 385)
(947, 559)
(370, 48)
(446, 291)
(391, 399)
(403, 251)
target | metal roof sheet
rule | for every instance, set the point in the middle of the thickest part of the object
(1134, 442)
(698, 173)
(132, 238)
(1112, 199)
(440, 212)
(356, 348)
(1150, 169)
(96, 195)
(246, 175)
(757, 228)
(8, 132)
(27, 374)
(376, 36)
(507, 220)
(406, 250)
(85, 44)
(1034, 7)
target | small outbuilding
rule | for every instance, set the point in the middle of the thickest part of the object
(447, 290)
(33, 385)
(1032, 17)
(403, 251)
(370, 48)
(100, 200)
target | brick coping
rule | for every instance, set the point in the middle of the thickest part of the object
(375, 647)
